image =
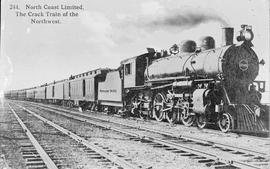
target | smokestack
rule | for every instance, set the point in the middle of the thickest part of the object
(227, 36)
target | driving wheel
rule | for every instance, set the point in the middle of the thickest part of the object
(172, 116)
(158, 106)
(187, 118)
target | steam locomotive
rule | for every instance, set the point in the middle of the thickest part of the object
(189, 84)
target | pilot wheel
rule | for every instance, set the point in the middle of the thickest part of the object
(225, 122)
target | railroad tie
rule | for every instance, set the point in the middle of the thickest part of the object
(170, 149)
(37, 167)
(96, 157)
(197, 157)
(31, 156)
(188, 154)
(224, 166)
(237, 152)
(34, 159)
(179, 151)
(34, 163)
(206, 161)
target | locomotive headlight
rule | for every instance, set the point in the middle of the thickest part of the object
(248, 35)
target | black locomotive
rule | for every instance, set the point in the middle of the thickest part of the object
(189, 84)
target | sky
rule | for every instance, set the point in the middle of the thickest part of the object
(107, 32)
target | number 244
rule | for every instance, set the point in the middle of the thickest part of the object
(12, 6)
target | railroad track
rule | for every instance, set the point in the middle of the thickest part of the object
(96, 151)
(209, 130)
(236, 157)
(34, 154)
(195, 129)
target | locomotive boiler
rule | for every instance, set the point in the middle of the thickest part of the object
(230, 62)
(206, 85)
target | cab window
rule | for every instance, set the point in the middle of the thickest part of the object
(128, 69)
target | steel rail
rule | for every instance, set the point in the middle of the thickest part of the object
(114, 158)
(45, 157)
(210, 131)
(198, 140)
(227, 161)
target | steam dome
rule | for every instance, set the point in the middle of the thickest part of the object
(188, 46)
(207, 42)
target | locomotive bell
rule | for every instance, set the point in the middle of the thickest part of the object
(207, 42)
(174, 49)
(188, 46)
(246, 33)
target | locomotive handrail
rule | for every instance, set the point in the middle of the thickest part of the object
(192, 55)
(199, 80)
(170, 78)
(220, 56)
(226, 95)
(147, 65)
(159, 87)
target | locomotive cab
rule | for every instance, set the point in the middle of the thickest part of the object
(134, 88)
(134, 68)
